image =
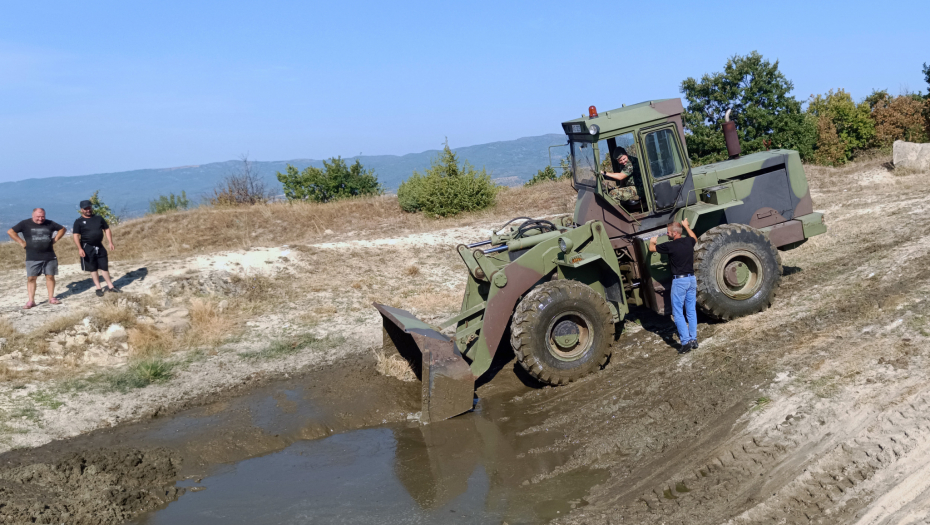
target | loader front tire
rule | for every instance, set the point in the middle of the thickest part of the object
(561, 331)
(738, 271)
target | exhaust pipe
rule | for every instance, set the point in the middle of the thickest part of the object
(730, 136)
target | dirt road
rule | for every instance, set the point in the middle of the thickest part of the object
(811, 412)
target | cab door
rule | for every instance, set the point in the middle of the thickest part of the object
(667, 166)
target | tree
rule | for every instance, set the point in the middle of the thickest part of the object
(831, 150)
(172, 202)
(335, 181)
(766, 115)
(447, 188)
(901, 118)
(103, 210)
(546, 174)
(566, 167)
(852, 123)
(926, 72)
(877, 97)
(242, 187)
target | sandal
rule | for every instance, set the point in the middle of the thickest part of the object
(54, 301)
(29, 304)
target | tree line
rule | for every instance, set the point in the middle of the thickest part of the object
(831, 130)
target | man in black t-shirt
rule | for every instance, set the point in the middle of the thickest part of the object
(39, 237)
(88, 233)
(680, 251)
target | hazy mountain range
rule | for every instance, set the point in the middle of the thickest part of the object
(128, 193)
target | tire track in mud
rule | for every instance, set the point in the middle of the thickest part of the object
(825, 466)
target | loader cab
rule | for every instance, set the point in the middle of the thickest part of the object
(652, 136)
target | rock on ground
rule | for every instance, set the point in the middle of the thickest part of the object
(911, 155)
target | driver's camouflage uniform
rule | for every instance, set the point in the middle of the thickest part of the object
(625, 190)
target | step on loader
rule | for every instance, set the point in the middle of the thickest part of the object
(562, 286)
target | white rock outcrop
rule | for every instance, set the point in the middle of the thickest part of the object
(116, 334)
(911, 156)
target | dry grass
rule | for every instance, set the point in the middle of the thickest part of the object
(393, 366)
(209, 326)
(111, 313)
(8, 374)
(441, 301)
(257, 288)
(324, 310)
(147, 341)
(59, 324)
(211, 229)
(11, 335)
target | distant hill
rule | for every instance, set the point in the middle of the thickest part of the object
(128, 193)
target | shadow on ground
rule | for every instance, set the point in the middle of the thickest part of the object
(84, 285)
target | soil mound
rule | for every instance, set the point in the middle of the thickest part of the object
(98, 486)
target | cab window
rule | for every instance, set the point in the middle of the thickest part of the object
(608, 150)
(663, 153)
(584, 164)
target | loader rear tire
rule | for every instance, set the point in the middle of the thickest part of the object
(561, 331)
(738, 271)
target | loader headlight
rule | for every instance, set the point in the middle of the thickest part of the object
(594, 129)
(565, 244)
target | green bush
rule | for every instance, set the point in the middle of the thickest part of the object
(852, 124)
(447, 188)
(335, 181)
(766, 115)
(548, 173)
(409, 194)
(172, 202)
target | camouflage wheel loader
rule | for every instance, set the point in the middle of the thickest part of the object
(560, 287)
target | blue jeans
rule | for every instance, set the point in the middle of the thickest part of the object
(684, 291)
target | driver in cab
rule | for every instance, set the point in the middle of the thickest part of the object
(625, 190)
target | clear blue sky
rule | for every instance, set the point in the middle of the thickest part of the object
(90, 87)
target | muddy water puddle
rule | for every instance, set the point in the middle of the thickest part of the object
(286, 454)
(467, 472)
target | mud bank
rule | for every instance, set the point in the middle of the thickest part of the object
(109, 475)
(96, 486)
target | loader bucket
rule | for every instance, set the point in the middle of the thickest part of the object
(448, 383)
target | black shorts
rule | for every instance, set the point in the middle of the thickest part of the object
(95, 258)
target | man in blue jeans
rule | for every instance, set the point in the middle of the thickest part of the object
(680, 251)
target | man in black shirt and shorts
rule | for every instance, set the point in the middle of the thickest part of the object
(680, 251)
(88, 233)
(39, 237)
